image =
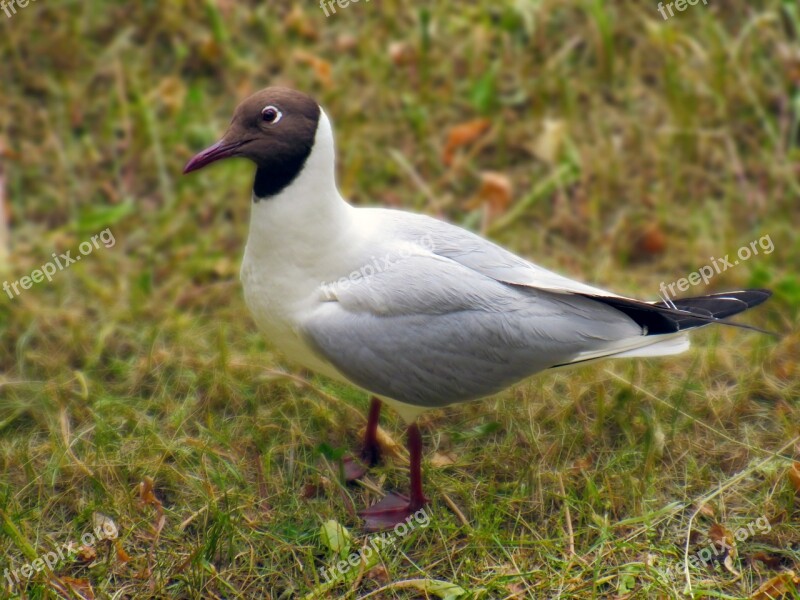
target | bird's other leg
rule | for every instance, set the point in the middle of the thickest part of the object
(371, 451)
(395, 508)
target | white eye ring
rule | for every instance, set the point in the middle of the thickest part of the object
(271, 110)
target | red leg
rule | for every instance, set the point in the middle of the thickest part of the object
(371, 451)
(395, 508)
(418, 499)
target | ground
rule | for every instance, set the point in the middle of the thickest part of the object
(597, 138)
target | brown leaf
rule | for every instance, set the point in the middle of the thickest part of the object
(794, 476)
(401, 53)
(780, 586)
(516, 591)
(122, 556)
(225, 6)
(320, 66)
(771, 560)
(147, 494)
(706, 511)
(316, 488)
(346, 42)
(496, 191)
(104, 527)
(377, 574)
(440, 459)
(86, 554)
(581, 465)
(721, 536)
(548, 145)
(387, 443)
(463, 135)
(725, 545)
(80, 587)
(297, 22)
(210, 51)
(651, 240)
(147, 497)
(170, 92)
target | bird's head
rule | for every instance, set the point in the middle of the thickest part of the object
(275, 128)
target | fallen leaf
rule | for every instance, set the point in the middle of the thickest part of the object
(581, 465)
(226, 6)
(651, 240)
(320, 66)
(724, 546)
(147, 497)
(401, 53)
(626, 584)
(346, 42)
(378, 574)
(104, 527)
(387, 443)
(779, 586)
(210, 52)
(81, 587)
(722, 538)
(297, 22)
(463, 135)
(442, 460)
(86, 554)
(547, 146)
(496, 192)
(516, 591)
(315, 488)
(794, 476)
(706, 511)
(772, 561)
(170, 92)
(147, 494)
(443, 589)
(336, 537)
(122, 556)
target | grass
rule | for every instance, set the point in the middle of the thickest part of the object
(140, 363)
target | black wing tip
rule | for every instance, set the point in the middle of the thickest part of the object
(751, 298)
(681, 314)
(760, 292)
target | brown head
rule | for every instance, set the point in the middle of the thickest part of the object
(275, 128)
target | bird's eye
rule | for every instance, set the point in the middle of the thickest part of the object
(270, 114)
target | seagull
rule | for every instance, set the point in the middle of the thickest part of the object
(419, 313)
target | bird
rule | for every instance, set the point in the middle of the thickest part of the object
(417, 312)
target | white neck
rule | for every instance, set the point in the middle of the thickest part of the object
(306, 214)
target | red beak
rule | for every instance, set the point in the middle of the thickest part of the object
(212, 154)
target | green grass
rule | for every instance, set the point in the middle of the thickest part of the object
(141, 361)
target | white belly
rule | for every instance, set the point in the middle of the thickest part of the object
(276, 303)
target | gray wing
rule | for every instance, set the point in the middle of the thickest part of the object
(430, 331)
(479, 254)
